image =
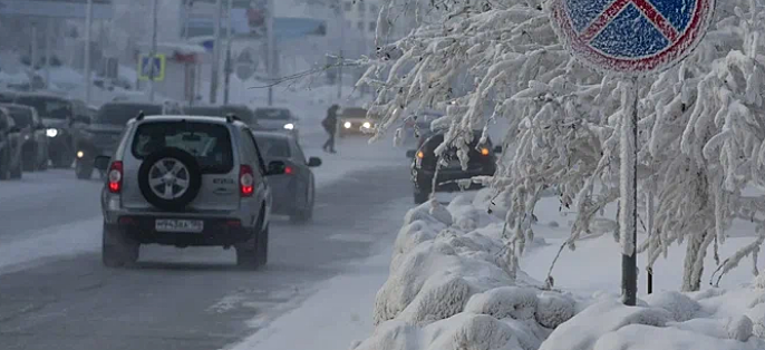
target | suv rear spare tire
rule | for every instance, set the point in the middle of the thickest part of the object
(169, 179)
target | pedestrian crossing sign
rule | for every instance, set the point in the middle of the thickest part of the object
(148, 67)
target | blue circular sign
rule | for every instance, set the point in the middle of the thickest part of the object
(633, 37)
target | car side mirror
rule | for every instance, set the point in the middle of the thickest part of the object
(411, 153)
(314, 162)
(276, 167)
(498, 149)
(102, 162)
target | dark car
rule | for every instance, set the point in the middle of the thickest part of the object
(277, 119)
(63, 117)
(482, 162)
(103, 134)
(293, 191)
(35, 142)
(244, 114)
(10, 147)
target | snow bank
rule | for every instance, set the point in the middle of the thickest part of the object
(448, 287)
(714, 319)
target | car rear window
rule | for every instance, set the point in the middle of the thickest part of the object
(120, 114)
(21, 116)
(272, 113)
(47, 107)
(273, 147)
(209, 143)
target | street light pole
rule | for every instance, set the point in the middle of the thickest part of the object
(214, 75)
(227, 65)
(271, 51)
(153, 53)
(88, 25)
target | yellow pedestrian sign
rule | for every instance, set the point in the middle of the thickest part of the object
(146, 65)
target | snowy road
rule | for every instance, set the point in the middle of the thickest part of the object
(54, 292)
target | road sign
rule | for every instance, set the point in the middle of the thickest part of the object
(633, 37)
(246, 64)
(145, 65)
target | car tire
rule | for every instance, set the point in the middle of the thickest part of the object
(421, 196)
(16, 172)
(4, 164)
(30, 154)
(304, 215)
(194, 178)
(118, 250)
(253, 253)
(83, 171)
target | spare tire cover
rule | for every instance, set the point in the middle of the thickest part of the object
(169, 178)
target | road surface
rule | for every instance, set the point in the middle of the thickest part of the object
(174, 299)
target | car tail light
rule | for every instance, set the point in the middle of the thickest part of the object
(484, 151)
(288, 170)
(115, 177)
(420, 154)
(246, 181)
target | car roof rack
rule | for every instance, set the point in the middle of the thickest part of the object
(231, 117)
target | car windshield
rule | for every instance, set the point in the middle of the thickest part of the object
(47, 107)
(120, 114)
(21, 116)
(209, 143)
(272, 113)
(273, 147)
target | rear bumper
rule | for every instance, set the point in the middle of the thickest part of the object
(217, 231)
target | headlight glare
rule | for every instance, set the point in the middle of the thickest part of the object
(51, 132)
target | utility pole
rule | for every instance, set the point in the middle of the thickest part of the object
(88, 25)
(271, 48)
(227, 65)
(214, 76)
(48, 34)
(153, 53)
(341, 20)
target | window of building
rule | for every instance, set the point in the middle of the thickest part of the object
(348, 6)
(362, 6)
(372, 26)
(373, 9)
(361, 26)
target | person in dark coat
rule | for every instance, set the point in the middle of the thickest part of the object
(330, 125)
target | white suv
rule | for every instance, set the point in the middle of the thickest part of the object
(186, 181)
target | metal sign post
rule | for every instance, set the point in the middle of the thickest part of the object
(88, 26)
(153, 53)
(632, 38)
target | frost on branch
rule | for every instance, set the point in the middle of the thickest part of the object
(701, 138)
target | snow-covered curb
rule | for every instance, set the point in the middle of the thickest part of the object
(448, 289)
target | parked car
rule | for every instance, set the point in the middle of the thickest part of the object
(244, 114)
(354, 121)
(293, 191)
(277, 119)
(186, 181)
(482, 161)
(63, 117)
(34, 150)
(10, 147)
(102, 136)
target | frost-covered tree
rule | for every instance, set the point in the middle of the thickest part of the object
(701, 126)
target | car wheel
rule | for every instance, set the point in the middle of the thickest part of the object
(4, 164)
(30, 154)
(421, 196)
(118, 250)
(174, 192)
(16, 172)
(301, 216)
(83, 171)
(253, 252)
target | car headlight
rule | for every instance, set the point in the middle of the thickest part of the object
(80, 154)
(26, 137)
(51, 132)
(347, 125)
(367, 125)
(289, 126)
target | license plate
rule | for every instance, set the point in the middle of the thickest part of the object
(177, 225)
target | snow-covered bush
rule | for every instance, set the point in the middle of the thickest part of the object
(701, 132)
(448, 287)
